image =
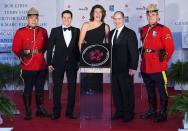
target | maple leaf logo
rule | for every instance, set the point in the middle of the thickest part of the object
(95, 55)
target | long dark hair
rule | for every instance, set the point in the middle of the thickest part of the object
(93, 9)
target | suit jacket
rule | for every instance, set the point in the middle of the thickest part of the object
(62, 54)
(125, 53)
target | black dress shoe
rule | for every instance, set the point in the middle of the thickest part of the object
(55, 116)
(41, 112)
(71, 116)
(117, 116)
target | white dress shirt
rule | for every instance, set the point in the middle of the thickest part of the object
(67, 35)
(119, 31)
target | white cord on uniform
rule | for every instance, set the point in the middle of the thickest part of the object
(34, 40)
(142, 45)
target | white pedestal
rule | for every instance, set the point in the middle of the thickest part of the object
(6, 129)
(16, 112)
(181, 86)
(185, 126)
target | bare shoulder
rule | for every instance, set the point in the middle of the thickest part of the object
(86, 25)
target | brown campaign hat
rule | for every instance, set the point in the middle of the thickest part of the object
(151, 8)
(33, 11)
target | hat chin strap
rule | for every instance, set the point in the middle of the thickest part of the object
(30, 27)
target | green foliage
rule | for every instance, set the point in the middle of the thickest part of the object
(180, 103)
(177, 72)
(9, 74)
(6, 105)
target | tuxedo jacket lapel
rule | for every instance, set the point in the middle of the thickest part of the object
(62, 36)
(120, 35)
(111, 34)
(73, 36)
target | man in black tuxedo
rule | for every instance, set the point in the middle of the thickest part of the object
(125, 58)
(63, 56)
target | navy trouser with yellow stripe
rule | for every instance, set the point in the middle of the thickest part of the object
(152, 81)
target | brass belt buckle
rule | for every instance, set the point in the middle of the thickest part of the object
(149, 50)
(27, 52)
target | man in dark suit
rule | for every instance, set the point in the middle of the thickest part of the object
(124, 64)
(63, 56)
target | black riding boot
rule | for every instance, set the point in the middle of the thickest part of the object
(41, 111)
(162, 115)
(27, 103)
(152, 113)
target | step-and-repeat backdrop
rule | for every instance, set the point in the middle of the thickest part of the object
(173, 13)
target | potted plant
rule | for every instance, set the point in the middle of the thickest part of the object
(177, 75)
(7, 107)
(9, 74)
(180, 105)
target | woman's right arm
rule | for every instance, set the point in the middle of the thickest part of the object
(82, 34)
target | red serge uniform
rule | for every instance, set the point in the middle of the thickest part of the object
(31, 39)
(158, 37)
(29, 44)
(157, 49)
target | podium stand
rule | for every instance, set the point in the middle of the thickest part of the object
(95, 94)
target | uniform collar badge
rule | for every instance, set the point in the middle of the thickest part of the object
(154, 33)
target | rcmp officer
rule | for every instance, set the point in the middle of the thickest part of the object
(29, 44)
(157, 49)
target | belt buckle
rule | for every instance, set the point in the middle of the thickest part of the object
(148, 50)
(27, 51)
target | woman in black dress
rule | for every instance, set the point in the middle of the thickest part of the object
(93, 32)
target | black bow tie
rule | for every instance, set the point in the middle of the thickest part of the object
(69, 28)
